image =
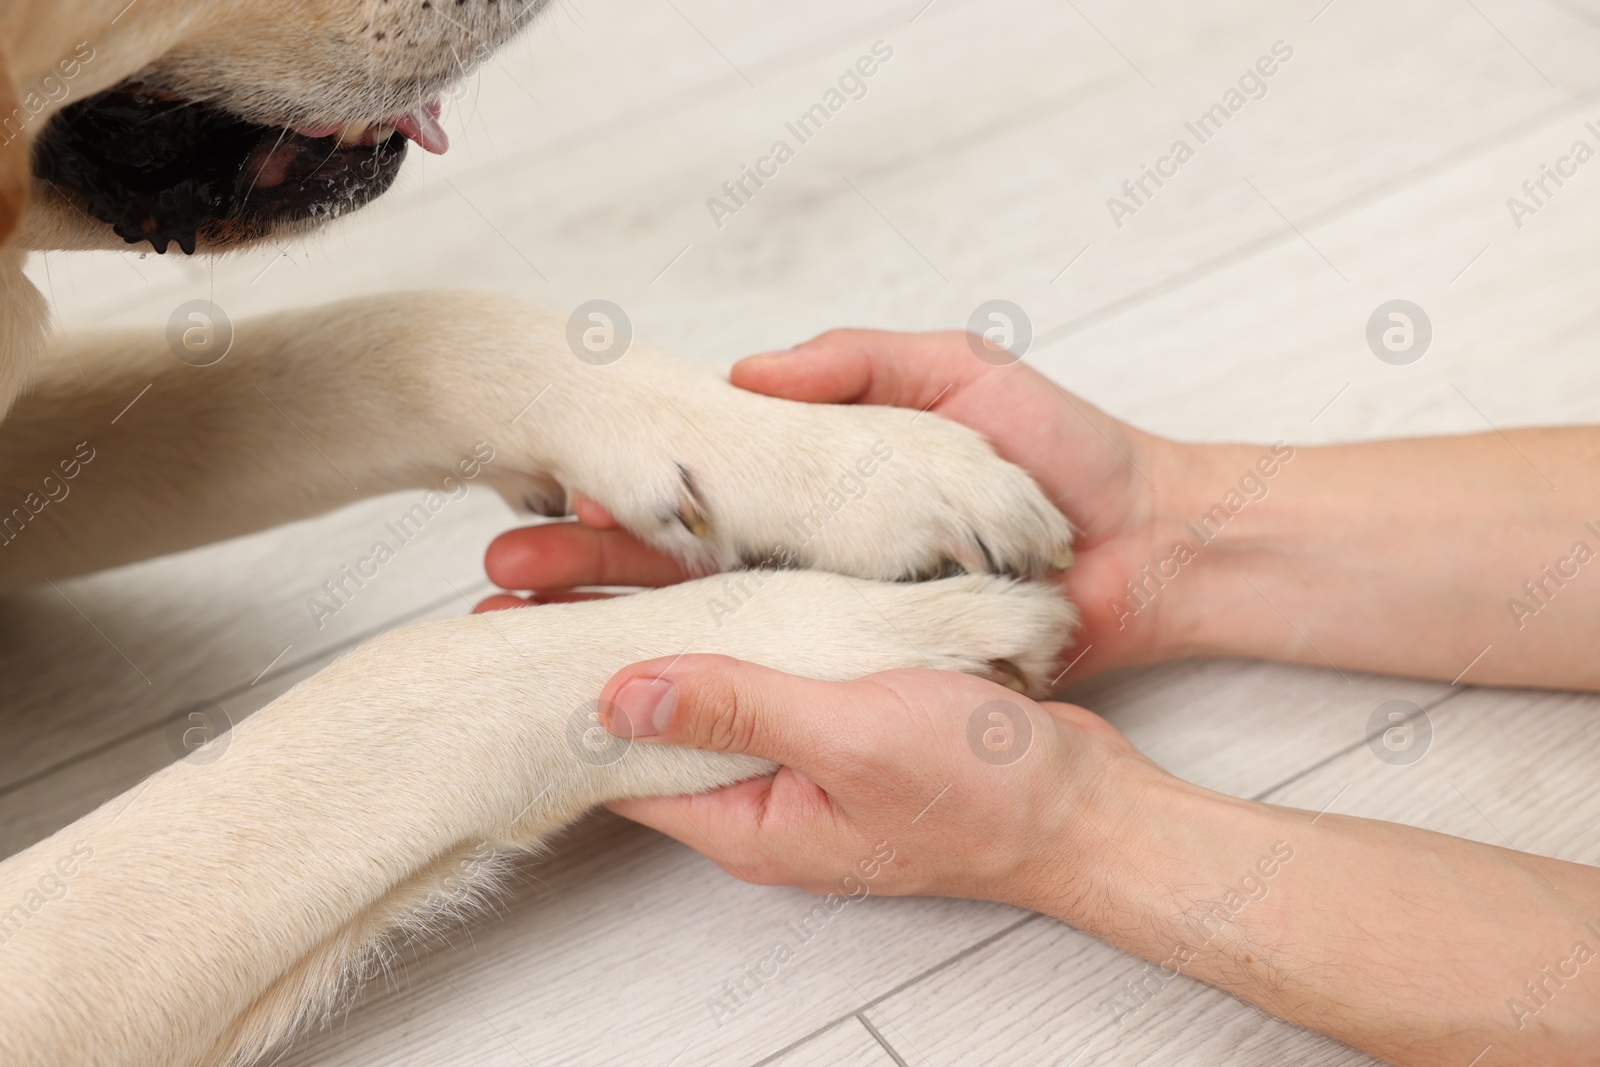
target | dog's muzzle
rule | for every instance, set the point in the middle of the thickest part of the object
(163, 169)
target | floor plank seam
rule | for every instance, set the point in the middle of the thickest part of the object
(1353, 747)
(883, 1042)
(976, 946)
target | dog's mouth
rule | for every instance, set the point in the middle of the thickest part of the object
(163, 169)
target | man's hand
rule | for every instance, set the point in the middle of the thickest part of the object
(907, 782)
(1331, 922)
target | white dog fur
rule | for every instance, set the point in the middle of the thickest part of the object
(366, 800)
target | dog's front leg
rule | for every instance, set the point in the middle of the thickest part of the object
(199, 918)
(143, 934)
(313, 409)
(122, 451)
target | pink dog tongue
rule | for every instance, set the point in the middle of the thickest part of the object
(422, 126)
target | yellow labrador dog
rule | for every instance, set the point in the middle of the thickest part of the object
(357, 807)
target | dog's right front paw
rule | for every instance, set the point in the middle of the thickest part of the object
(872, 491)
(723, 479)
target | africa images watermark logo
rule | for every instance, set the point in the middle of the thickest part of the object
(338, 591)
(599, 332)
(999, 732)
(1208, 920)
(1252, 487)
(1399, 732)
(1544, 587)
(1399, 332)
(851, 487)
(199, 333)
(737, 993)
(738, 191)
(51, 886)
(999, 332)
(1537, 993)
(52, 490)
(53, 88)
(1137, 192)
(1537, 191)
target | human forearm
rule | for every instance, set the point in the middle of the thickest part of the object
(1410, 945)
(1423, 557)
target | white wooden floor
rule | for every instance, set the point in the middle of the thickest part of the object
(1232, 305)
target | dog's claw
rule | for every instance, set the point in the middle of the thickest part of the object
(690, 511)
(692, 520)
(1007, 674)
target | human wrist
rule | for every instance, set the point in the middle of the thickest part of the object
(1081, 864)
(1212, 529)
(1153, 604)
(1167, 855)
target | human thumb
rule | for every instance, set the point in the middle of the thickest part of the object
(719, 704)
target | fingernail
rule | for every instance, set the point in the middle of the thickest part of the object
(643, 707)
(769, 358)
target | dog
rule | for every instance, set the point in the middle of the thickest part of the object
(358, 807)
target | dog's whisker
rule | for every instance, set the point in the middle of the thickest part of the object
(279, 144)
